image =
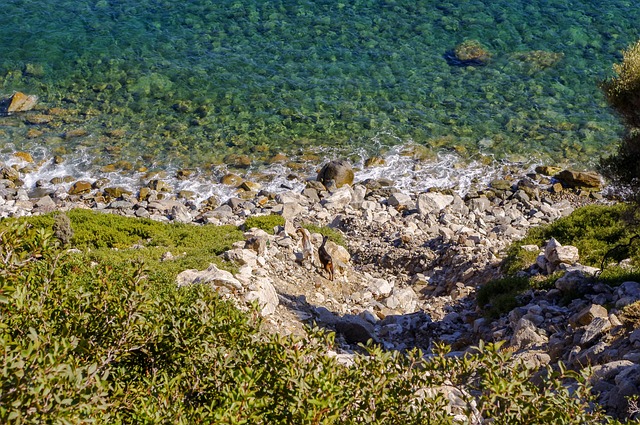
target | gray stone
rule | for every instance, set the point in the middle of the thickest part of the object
(212, 276)
(338, 199)
(627, 293)
(432, 202)
(586, 315)
(480, 204)
(570, 281)
(45, 204)
(380, 287)
(289, 211)
(527, 335)
(180, 214)
(402, 298)
(311, 194)
(608, 371)
(595, 329)
(242, 257)
(262, 291)
(324, 316)
(400, 199)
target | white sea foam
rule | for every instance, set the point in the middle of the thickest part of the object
(447, 170)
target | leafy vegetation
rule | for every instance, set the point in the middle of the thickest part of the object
(333, 234)
(601, 233)
(101, 339)
(623, 95)
(264, 222)
(115, 239)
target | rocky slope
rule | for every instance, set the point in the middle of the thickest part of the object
(408, 274)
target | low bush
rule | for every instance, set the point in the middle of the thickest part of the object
(500, 296)
(602, 234)
(333, 234)
(107, 342)
(264, 222)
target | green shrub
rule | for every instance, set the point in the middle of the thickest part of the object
(596, 230)
(333, 234)
(500, 296)
(623, 91)
(264, 222)
(109, 343)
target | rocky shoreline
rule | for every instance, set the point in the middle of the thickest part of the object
(408, 273)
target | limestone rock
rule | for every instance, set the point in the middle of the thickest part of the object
(212, 276)
(400, 199)
(339, 171)
(586, 315)
(595, 329)
(570, 281)
(526, 335)
(432, 202)
(180, 214)
(380, 287)
(404, 299)
(339, 199)
(264, 293)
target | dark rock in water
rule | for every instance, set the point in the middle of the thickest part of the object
(80, 187)
(237, 160)
(580, 179)
(183, 174)
(186, 194)
(100, 183)
(374, 161)
(339, 171)
(18, 102)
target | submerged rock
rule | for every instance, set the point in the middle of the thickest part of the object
(469, 52)
(18, 102)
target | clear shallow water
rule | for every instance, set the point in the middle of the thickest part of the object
(162, 84)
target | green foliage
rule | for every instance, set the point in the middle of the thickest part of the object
(615, 275)
(500, 296)
(110, 239)
(264, 222)
(623, 95)
(601, 233)
(62, 228)
(333, 234)
(623, 90)
(107, 343)
(596, 230)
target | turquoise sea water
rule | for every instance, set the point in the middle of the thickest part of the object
(187, 83)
